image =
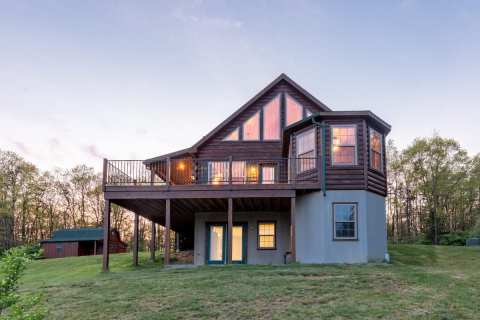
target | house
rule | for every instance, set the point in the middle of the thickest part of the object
(80, 242)
(284, 178)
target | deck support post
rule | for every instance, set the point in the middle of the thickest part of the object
(152, 241)
(106, 235)
(166, 243)
(135, 240)
(292, 230)
(230, 230)
(95, 247)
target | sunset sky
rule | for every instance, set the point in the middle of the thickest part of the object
(83, 80)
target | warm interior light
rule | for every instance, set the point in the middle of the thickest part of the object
(181, 166)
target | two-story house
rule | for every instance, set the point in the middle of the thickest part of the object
(284, 178)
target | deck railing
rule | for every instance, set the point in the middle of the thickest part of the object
(233, 171)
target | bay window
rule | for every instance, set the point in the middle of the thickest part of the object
(376, 150)
(305, 150)
(344, 144)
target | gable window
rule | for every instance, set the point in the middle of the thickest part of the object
(308, 113)
(293, 110)
(305, 147)
(251, 127)
(233, 136)
(345, 221)
(344, 144)
(376, 150)
(266, 235)
(271, 120)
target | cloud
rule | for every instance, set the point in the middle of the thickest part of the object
(141, 131)
(92, 151)
(54, 144)
(216, 22)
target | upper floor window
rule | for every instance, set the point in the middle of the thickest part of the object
(271, 120)
(345, 221)
(233, 136)
(376, 150)
(305, 147)
(293, 111)
(251, 127)
(344, 144)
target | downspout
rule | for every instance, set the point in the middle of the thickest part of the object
(322, 127)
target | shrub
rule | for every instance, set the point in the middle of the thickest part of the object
(12, 306)
(454, 238)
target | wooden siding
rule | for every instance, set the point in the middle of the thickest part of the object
(217, 148)
(69, 249)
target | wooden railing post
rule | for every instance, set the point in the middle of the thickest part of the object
(104, 176)
(169, 171)
(230, 170)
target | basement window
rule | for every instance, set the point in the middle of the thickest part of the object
(345, 221)
(266, 235)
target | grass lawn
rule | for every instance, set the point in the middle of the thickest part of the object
(423, 282)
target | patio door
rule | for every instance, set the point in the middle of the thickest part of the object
(217, 243)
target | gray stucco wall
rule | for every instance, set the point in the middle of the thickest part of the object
(314, 228)
(254, 256)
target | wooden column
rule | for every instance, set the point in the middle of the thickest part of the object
(106, 235)
(95, 247)
(166, 243)
(229, 230)
(292, 230)
(152, 241)
(135, 240)
(177, 242)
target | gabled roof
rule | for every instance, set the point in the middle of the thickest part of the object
(282, 77)
(80, 234)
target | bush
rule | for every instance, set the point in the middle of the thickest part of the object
(454, 238)
(12, 306)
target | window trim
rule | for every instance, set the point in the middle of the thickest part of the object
(274, 222)
(297, 156)
(370, 150)
(334, 229)
(332, 162)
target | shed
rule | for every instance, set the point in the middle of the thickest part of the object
(80, 242)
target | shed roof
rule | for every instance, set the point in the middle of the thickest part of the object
(79, 234)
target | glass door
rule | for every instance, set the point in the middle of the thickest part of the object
(216, 244)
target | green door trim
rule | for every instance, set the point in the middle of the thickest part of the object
(244, 226)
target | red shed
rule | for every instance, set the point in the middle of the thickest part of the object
(80, 242)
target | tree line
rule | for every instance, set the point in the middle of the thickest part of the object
(433, 191)
(35, 203)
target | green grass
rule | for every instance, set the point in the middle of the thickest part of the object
(423, 282)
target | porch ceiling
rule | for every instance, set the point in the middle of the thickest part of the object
(182, 210)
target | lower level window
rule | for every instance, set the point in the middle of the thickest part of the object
(266, 235)
(345, 220)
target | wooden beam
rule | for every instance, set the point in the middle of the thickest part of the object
(166, 244)
(152, 241)
(229, 230)
(135, 240)
(292, 229)
(106, 235)
(94, 247)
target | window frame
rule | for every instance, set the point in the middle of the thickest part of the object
(332, 162)
(334, 222)
(371, 151)
(274, 222)
(297, 155)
